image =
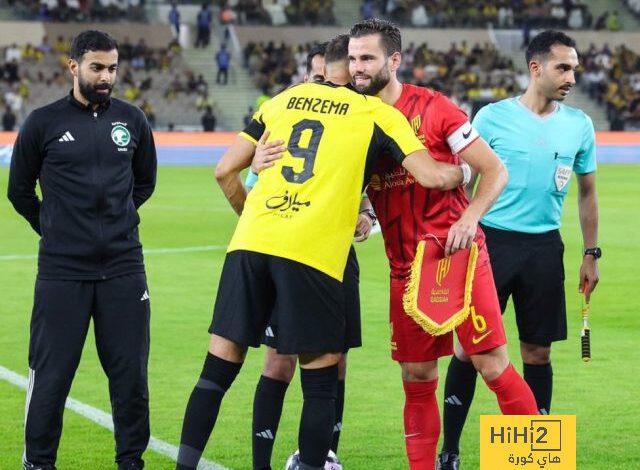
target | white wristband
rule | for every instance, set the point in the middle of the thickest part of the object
(466, 173)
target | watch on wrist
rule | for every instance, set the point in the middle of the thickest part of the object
(371, 215)
(595, 252)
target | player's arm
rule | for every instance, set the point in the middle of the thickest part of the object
(431, 173)
(588, 211)
(468, 189)
(481, 124)
(366, 219)
(266, 153)
(144, 165)
(493, 178)
(26, 162)
(235, 159)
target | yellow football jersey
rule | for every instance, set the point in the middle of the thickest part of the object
(305, 207)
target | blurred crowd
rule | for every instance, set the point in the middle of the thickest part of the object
(158, 80)
(78, 10)
(155, 79)
(471, 75)
(278, 12)
(612, 77)
(572, 14)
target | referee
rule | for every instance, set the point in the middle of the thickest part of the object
(542, 142)
(95, 160)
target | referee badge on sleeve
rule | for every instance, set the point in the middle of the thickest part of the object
(438, 294)
(563, 175)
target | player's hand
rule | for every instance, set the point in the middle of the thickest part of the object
(461, 235)
(266, 153)
(363, 227)
(589, 275)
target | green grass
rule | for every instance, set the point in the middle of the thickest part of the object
(189, 210)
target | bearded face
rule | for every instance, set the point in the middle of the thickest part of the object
(95, 93)
(94, 75)
(371, 84)
(369, 65)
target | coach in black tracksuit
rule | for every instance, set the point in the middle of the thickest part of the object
(95, 160)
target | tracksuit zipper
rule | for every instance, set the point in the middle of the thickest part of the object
(100, 200)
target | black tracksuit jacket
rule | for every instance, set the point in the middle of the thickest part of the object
(95, 169)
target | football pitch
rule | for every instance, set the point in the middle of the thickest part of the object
(185, 227)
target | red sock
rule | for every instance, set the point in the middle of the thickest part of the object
(421, 424)
(514, 395)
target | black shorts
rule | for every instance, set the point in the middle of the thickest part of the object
(305, 303)
(530, 269)
(351, 286)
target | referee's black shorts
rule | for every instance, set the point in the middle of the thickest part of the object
(351, 286)
(306, 304)
(530, 269)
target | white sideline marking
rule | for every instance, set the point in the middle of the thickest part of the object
(148, 251)
(162, 251)
(104, 419)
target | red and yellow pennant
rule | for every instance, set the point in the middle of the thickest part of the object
(438, 294)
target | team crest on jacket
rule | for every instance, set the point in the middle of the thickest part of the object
(120, 136)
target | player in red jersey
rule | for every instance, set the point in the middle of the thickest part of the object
(407, 213)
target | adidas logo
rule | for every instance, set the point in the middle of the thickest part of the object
(66, 137)
(544, 411)
(145, 296)
(337, 427)
(453, 400)
(269, 332)
(266, 434)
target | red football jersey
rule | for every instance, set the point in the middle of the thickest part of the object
(406, 211)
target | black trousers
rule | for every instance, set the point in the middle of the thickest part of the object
(223, 76)
(59, 323)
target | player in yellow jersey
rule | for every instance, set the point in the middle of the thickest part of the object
(279, 369)
(288, 253)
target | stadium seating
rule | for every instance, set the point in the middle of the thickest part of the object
(469, 75)
(33, 76)
(572, 14)
(280, 12)
(78, 11)
(471, 71)
(611, 77)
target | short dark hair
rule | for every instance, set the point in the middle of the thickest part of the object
(389, 33)
(91, 40)
(316, 49)
(337, 49)
(542, 43)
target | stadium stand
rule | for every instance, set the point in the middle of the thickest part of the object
(611, 77)
(79, 10)
(277, 12)
(155, 78)
(176, 84)
(469, 75)
(573, 14)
